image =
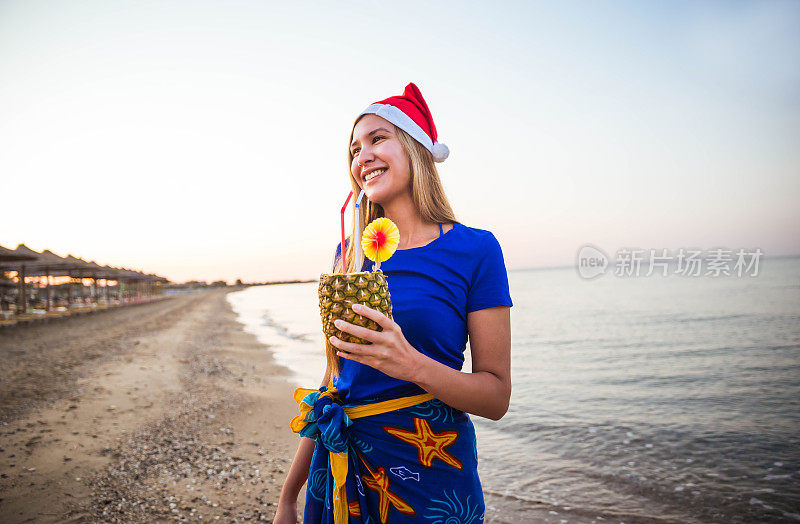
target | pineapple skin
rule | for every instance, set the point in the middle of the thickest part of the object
(337, 294)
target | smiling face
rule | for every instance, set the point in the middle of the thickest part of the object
(379, 163)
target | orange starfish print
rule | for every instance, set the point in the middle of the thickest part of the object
(378, 481)
(354, 508)
(429, 445)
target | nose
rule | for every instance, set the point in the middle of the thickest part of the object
(365, 156)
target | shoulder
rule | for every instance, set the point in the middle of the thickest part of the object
(475, 237)
(488, 285)
(480, 249)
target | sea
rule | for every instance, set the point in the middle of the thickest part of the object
(635, 399)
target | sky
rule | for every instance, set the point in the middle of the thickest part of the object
(207, 140)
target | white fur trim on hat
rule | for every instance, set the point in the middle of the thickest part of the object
(440, 152)
(401, 120)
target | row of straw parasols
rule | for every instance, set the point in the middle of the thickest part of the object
(29, 263)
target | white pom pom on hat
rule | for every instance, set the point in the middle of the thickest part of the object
(440, 152)
(410, 113)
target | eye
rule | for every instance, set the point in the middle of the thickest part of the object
(355, 151)
(376, 138)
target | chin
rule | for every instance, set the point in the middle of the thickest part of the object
(377, 198)
(382, 194)
(374, 200)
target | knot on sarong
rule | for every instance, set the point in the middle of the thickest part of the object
(322, 418)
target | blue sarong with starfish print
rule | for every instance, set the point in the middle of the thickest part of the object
(411, 459)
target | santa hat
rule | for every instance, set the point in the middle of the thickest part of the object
(410, 113)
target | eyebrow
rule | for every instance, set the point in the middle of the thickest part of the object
(371, 133)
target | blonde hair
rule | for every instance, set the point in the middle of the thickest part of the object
(427, 193)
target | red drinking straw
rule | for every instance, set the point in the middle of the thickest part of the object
(349, 195)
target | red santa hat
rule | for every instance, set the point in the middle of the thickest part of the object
(410, 113)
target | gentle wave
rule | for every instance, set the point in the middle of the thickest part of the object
(635, 399)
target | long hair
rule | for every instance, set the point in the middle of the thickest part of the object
(427, 194)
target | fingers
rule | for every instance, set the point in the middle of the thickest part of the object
(361, 359)
(372, 314)
(353, 357)
(361, 332)
(350, 347)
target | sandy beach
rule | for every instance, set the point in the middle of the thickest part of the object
(156, 412)
(147, 413)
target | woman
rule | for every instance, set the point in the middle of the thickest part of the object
(390, 440)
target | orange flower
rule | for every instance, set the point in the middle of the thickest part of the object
(380, 239)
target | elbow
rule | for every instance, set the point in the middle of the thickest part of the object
(499, 413)
(501, 408)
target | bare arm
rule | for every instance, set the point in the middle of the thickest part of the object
(485, 392)
(298, 474)
(298, 471)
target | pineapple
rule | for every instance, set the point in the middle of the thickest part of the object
(339, 291)
(337, 294)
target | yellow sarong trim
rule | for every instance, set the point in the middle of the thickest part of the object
(338, 461)
(299, 422)
(386, 406)
(339, 471)
(300, 394)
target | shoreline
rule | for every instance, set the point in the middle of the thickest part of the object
(500, 507)
(167, 411)
(171, 412)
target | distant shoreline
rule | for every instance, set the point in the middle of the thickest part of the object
(644, 264)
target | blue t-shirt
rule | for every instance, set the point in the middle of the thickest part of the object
(432, 288)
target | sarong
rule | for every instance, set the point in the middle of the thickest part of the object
(412, 459)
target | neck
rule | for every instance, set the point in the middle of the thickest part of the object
(404, 214)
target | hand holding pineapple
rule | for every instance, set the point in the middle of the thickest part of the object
(340, 293)
(389, 351)
(385, 348)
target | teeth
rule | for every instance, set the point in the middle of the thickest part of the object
(374, 174)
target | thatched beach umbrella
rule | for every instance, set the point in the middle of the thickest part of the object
(146, 282)
(27, 263)
(110, 273)
(15, 261)
(125, 277)
(155, 280)
(95, 271)
(137, 279)
(64, 270)
(32, 262)
(50, 265)
(9, 255)
(79, 270)
(106, 273)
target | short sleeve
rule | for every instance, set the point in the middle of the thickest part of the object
(337, 256)
(489, 286)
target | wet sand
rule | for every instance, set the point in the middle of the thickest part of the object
(154, 412)
(157, 412)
